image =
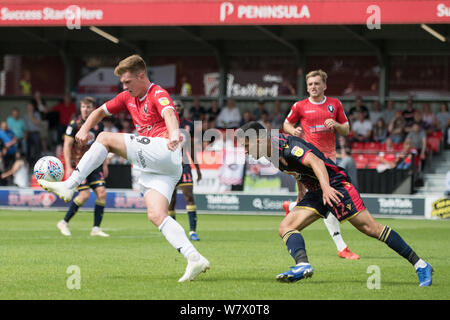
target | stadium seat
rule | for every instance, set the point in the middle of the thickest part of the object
(357, 146)
(361, 160)
(434, 144)
(372, 146)
(398, 146)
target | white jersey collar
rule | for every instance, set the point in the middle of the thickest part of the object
(323, 101)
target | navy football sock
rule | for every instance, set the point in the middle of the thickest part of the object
(192, 214)
(296, 246)
(73, 208)
(396, 243)
(98, 213)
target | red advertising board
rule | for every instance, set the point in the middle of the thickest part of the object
(213, 12)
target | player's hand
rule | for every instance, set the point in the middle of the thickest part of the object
(173, 143)
(298, 131)
(82, 136)
(331, 196)
(330, 124)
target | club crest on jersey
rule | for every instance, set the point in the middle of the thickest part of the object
(297, 151)
(330, 108)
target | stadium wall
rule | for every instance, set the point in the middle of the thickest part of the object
(123, 200)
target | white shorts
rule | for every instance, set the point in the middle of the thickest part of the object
(160, 168)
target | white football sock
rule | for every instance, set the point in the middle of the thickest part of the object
(420, 264)
(292, 206)
(335, 231)
(176, 236)
(90, 161)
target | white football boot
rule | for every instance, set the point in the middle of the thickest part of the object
(64, 228)
(58, 188)
(96, 231)
(196, 264)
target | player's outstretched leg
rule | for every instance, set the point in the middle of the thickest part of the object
(334, 229)
(365, 223)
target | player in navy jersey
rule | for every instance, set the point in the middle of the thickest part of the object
(329, 190)
(186, 183)
(73, 151)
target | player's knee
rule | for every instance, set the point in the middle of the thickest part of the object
(81, 199)
(101, 195)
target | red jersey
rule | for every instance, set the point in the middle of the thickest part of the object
(146, 112)
(312, 116)
(65, 112)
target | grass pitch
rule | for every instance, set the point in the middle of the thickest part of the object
(245, 252)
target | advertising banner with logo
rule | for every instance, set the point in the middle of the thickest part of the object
(210, 12)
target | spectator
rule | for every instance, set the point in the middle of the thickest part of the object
(389, 113)
(44, 123)
(376, 112)
(380, 131)
(264, 120)
(286, 88)
(418, 139)
(277, 115)
(229, 117)
(346, 161)
(428, 117)
(397, 128)
(213, 111)
(405, 159)
(387, 157)
(33, 123)
(443, 116)
(359, 107)
(246, 117)
(18, 126)
(19, 171)
(9, 142)
(109, 126)
(25, 83)
(186, 88)
(362, 128)
(66, 111)
(408, 113)
(259, 111)
(197, 112)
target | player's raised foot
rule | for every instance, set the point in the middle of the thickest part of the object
(295, 273)
(286, 207)
(348, 254)
(57, 188)
(196, 265)
(97, 232)
(64, 228)
(424, 275)
(193, 236)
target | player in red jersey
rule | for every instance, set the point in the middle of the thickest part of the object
(320, 118)
(154, 151)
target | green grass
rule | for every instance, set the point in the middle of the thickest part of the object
(245, 253)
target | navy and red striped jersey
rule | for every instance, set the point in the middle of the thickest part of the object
(293, 150)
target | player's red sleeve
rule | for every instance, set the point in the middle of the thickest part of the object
(116, 105)
(162, 101)
(340, 115)
(294, 114)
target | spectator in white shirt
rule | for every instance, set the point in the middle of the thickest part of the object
(229, 117)
(362, 128)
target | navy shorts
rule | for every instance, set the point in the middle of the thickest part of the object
(186, 176)
(349, 206)
(94, 180)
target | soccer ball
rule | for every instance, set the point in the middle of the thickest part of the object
(49, 168)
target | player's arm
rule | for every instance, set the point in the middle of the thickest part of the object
(342, 129)
(94, 118)
(171, 121)
(289, 128)
(330, 195)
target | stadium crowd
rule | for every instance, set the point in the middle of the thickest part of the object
(381, 137)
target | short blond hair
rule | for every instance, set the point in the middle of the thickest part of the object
(316, 73)
(133, 64)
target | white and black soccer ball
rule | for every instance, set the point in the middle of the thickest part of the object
(49, 168)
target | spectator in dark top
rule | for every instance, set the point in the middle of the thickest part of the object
(246, 117)
(408, 113)
(286, 88)
(259, 110)
(359, 107)
(213, 111)
(197, 112)
(278, 116)
(33, 122)
(397, 128)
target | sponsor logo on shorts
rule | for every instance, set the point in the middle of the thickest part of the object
(141, 159)
(297, 151)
